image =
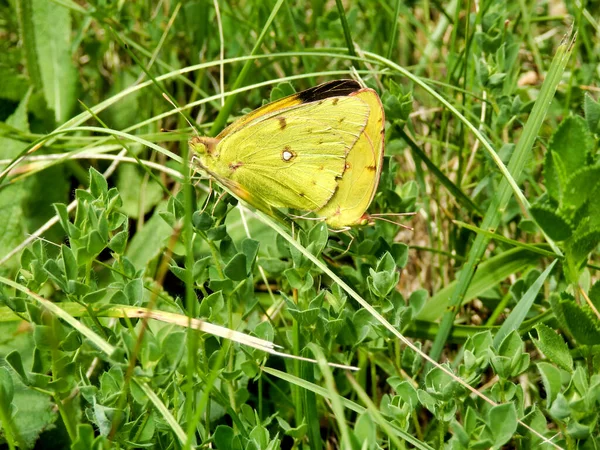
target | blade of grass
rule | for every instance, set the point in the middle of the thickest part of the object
(336, 399)
(345, 27)
(518, 314)
(500, 238)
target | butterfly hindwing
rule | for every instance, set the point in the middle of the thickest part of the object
(359, 182)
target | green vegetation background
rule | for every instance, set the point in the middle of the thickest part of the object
(491, 138)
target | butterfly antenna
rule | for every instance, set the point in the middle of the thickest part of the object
(182, 114)
(383, 219)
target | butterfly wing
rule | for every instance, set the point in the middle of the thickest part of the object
(336, 88)
(292, 157)
(359, 182)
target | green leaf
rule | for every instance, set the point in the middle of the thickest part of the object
(592, 113)
(95, 243)
(555, 226)
(212, 305)
(502, 423)
(581, 186)
(7, 389)
(134, 290)
(202, 220)
(236, 268)
(567, 152)
(582, 324)
(365, 429)
(14, 359)
(382, 283)
(553, 346)
(594, 294)
(86, 439)
(118, 242)
(47, 38)
(551, 379)
(250, 249)
(98, 184)
(581, 245)
(399, 252)
(317, 238)
(560, 408)
(225, 437)
(69, 262)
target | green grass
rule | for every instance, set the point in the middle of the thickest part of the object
(142, 306)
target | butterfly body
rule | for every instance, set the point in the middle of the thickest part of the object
(302, 152)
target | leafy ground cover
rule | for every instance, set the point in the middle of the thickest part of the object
(142, 307)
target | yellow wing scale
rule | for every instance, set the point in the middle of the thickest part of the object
(319, 150)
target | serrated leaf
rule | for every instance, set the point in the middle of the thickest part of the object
(581, 245)
(555, 226)
(553, 346)
(581, 186)
(572, 141)
(582, 326)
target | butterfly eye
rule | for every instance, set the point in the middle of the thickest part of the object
(287, 154)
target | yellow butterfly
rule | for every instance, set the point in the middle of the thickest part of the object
(320, 150)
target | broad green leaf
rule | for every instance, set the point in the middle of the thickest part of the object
(554, 347)
(46, 34)
(552, 381)
(502, 423)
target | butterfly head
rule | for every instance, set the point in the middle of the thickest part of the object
(204, 146)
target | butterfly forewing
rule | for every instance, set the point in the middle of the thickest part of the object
(336, 88)
(293, 157)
